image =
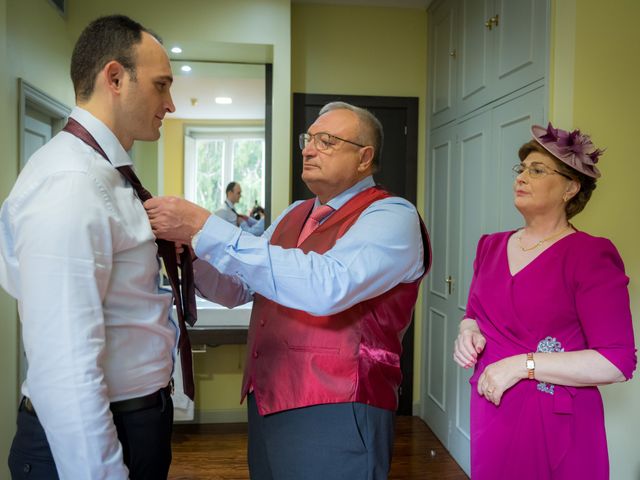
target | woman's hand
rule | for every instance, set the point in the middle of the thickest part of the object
(500, 376)
(469, 344)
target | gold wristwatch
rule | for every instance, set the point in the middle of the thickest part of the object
(531, 367)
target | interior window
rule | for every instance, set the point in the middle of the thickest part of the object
(214, 158)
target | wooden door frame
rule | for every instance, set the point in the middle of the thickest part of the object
(410, 104)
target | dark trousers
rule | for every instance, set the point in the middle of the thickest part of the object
(342, 441)
(145, 436)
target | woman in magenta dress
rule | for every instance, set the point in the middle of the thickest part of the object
(547, 321)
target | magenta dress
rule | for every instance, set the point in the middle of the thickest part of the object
(573, 296)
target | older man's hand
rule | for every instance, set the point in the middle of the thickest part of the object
(175, 219)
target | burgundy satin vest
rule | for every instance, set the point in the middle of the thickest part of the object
(295, 359)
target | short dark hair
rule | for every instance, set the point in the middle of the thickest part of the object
(230, 187)
(370, 128)
(587, 184)
(105, 39)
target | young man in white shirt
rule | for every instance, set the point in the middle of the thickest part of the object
(78, 254)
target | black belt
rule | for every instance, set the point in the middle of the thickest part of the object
(122, 406)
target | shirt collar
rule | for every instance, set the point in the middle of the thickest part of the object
(104, 136)
(342, 198)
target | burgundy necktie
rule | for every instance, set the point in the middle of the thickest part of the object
(183, 285)
(313, 221)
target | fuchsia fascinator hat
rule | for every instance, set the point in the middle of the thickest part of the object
(572, 148)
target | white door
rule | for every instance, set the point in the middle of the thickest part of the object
(473, 182)
(439, 321)
(461, 183)
(470, 194)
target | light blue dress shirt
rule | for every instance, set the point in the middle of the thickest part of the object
(382, 249)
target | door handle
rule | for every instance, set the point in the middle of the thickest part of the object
(449, 281)
(492, 22)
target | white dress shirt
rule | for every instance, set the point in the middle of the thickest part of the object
(77, 252)
(382, 249)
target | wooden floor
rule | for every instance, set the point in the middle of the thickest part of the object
(218, 452)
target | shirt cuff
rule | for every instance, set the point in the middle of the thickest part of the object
(216, 233)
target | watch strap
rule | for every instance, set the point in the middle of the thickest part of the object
(531, 366)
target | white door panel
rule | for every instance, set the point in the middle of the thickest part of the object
(443, 56)
(521, 45)
(511, 126)
(37, 131)
(476, 63)
(438, 319)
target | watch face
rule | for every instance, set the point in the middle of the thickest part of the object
(530, 364)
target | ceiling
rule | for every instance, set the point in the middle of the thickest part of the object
(243, 83)
(372, 3)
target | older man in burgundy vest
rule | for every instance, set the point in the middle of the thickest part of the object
(334, 282)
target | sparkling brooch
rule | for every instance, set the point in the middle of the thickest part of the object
(548, 345)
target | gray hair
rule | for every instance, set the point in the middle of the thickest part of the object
(370, 129)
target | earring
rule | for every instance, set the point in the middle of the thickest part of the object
(564, 198)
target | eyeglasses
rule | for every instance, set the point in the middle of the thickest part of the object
(322, 140)
(536, 170)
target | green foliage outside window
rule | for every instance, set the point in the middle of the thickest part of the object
(248, 165)
(225, 159)
(209, 188)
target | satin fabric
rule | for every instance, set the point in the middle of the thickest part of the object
(295, 359)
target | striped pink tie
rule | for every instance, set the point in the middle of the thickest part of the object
(313, 221)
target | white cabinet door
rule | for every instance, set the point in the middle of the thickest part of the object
(520, 44)
(476, 59)
(503, 45)
(442, 64)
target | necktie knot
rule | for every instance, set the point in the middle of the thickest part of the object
(321, 213)
(313, 222)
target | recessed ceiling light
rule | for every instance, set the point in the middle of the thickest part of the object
(185, 68)
(223, 100)
(176, 50)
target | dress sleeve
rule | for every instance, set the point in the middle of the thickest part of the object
(471, 313)
(602, 302)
